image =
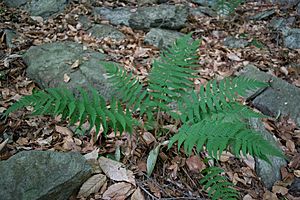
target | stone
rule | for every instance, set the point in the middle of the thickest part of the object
(162, 16)
(116, 16)
(146, 2)
(211, 3)
(291, 38)
(85, 22)
(106, 31)
(233, 42)
(43, 8)
(295, 188)
(202, 11)
(280, 23)
(10, 35)
(161, 38)
(49, 63)
(281, 98)
(263, 15)
(287, 3)
(298, 9)
(43, 175)
(269, 174)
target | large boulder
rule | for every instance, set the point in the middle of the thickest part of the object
(161, 38)
(43, 175)
(269, 173)
(43, 8)
(163, 16)
(280, 98)
(52, 64)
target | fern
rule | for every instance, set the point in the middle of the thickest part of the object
(227, 7)
(59, 101)
(217, 185)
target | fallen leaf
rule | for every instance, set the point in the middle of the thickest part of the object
(92, 185)
(297, 173)
(233, 57)
(195, 164)
(279, 190)
(151, 160)
(115, 170)
(148, 138)
(64, 131)
(269, 196)
(290, 145)
(137, 195)
(2, 145)
(225, 156)
(118, 191)
(92, 155)
(247, 197)
(75, 64)
(66, 78)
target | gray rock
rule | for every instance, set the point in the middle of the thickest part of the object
(106, 31)
(281, 98)
(10, 35)
(233, 42)
(269, 173)
(280, 23)
(117, 16)
(43, 175)
(287, 3)
(43, 8)
(161, 38)
(298, 9)
(48, 63)
(145, 2)
(291, 38)
(263, 15)
(211, 3)
(161, 16)
(85, 22)
(202, 11)
(295, 188)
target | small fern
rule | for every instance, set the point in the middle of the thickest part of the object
(60, 101)
(218, 186)
(227, 7)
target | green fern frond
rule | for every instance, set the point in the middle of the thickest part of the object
(216, 100)
(128, 87)
(227, 7)
(217, 186)
(218, 136)
(59, 101)
(171, 75)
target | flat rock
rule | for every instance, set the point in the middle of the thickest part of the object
(233, 42)
(161, 38)
(202, 11)
(287, 3)
(281, 98)
(43, 175)
(116, 16)
(291, 38)
(43, 8)
(263, 15)
(211, 3)
(295, 188)
(48, 64)
(269, 174)
(10, 35)
(280, 23)
(162, 16)
(106, 31)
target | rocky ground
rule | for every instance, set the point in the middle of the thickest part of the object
(60, 43)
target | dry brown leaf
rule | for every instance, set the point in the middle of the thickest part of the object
(64, 131)
(290, 145)
(269, 196)
(233, 57)
(247, 197)
(148, 138)
(195, 164)
(92, 155)
(116, 170)
(66, 78)
(118, 191)
(92, 185)
(225, 156)
(2, 145)
(75, 64)
(297, 173)
(137, 195)
(279, 190)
